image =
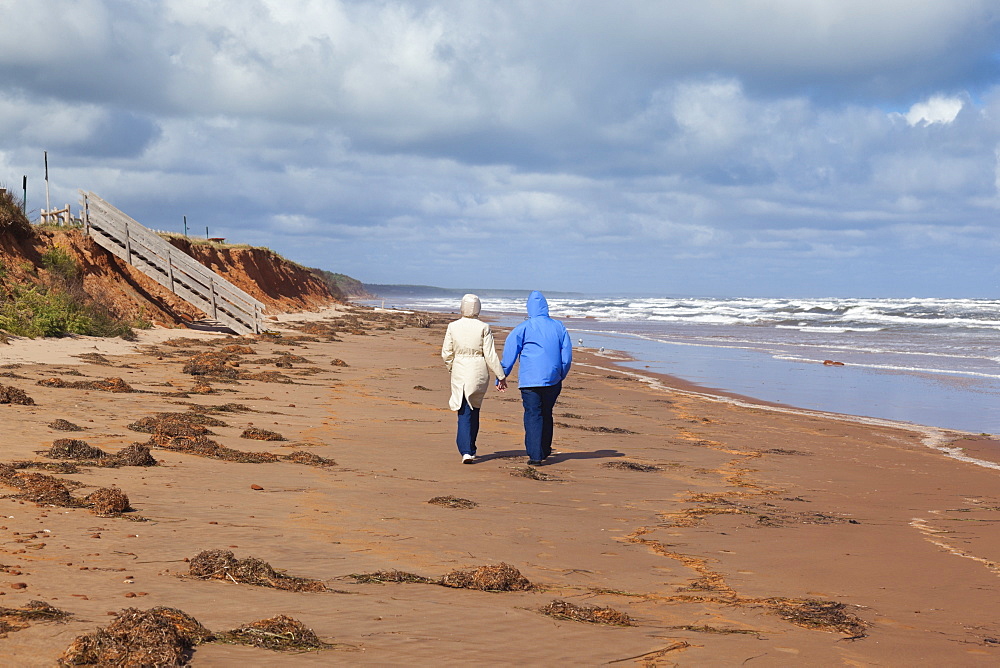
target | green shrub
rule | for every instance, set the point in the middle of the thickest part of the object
(12, 218)
(36, 310)
(60, 262)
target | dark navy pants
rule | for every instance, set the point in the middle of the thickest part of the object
(468, 428)
(538, 404)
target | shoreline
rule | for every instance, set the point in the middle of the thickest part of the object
(935, 438)
(773, 366)
(618, 357)
(727, 531)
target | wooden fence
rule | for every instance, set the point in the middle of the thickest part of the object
(170, 267)
(61, 216)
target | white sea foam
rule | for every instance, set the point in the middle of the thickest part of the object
(892, 367)
(834, 313)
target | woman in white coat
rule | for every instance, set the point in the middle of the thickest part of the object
(470, 355)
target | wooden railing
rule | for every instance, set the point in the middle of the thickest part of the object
(61, 216)
(170, 267)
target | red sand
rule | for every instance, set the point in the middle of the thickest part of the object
(751, 507)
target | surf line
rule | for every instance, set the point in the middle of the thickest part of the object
(929, 535)
(933, 437)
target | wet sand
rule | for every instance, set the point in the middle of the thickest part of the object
(736, 549)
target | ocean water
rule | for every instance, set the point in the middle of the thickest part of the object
(933, 362)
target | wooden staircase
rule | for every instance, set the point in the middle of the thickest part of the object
(170, 267)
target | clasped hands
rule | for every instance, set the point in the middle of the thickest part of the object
(502, 384)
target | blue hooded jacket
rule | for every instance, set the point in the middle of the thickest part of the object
(543, 344)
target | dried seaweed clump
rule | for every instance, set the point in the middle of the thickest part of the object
(74, 448)
(206, 447)
(213, 363)
(279, 633)
(308, 458)
(284, 360)
(601, 429)
(379, 577)
(109, 385)
(339, 362)
(176, 424)
(158, 637)
(813, 613)
(530, 472)
(194, 417)
(16, 619)
(317, 328)
(223, 565)
(267, 377)
(64, 425)
(38, 488)
(452, 502)
(106, 385)
(51, 467)
(237, 349)
(502, 577)
(95, 358)
(255, 434)
(586, 613)
(107, 501)
(222, 408)
(135, 454)
(630, 466)
(12, 395)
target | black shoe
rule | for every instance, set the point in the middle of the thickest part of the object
(535, 462)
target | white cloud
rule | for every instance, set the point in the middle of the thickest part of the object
(632, 131)
(710, 114)
(47, 123)
(295, 224)
(938, 109)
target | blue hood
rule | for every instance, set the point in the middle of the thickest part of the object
(537, 304)
(542, 345)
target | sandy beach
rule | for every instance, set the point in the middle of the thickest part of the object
(729, 533)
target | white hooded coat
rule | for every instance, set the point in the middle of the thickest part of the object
(470, 354)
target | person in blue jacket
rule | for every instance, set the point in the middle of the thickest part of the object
(546, 353)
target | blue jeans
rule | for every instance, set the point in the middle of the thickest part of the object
(538, 404)
(468, 428)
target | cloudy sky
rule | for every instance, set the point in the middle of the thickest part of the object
(732, 148)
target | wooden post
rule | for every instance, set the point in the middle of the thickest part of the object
(86, 214)
(47, 204)
(215, 308)
(170, 272)
(128, 244)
